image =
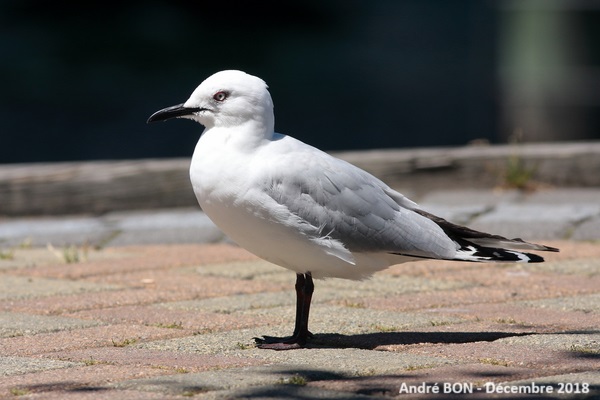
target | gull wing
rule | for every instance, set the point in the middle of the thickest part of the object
(333, 200)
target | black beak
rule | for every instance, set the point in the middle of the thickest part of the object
(172, 112)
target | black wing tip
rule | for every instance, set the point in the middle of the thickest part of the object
(552, 249)
(461, 233)
(534, 258)
(543, 247)
(473, 252)
(504, 255)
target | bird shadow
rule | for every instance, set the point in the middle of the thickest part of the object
(369, 341)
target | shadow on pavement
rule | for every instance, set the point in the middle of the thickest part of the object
(370, 341)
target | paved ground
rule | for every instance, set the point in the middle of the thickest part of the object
(117, 307)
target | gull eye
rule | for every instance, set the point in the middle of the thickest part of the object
(220, 96)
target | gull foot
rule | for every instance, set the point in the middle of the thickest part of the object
(282, 343)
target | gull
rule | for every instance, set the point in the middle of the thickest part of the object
(298, 207)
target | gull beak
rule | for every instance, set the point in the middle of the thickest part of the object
(177, 111)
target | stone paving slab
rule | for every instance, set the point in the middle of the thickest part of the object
(56, 230)
(76, 381)
(179, 225)
(535, 220)
(161, 226)
(16, 324)
(587, 230)
(23, 365)
(99, 336)
(178, 321)
(18, 287)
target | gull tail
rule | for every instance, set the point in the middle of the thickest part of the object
(484, 247)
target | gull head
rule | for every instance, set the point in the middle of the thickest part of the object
(226, 99)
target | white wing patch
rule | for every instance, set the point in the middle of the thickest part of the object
(335, 248)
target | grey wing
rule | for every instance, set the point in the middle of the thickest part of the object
(342, 202)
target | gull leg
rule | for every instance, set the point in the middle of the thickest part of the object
(304, 290)
(301, 328)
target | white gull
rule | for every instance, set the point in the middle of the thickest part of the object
(298, 207)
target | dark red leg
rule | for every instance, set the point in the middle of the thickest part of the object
(304, 290)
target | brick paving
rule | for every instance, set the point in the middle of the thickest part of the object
(176, 321)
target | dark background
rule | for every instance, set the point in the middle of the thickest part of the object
(79, 79)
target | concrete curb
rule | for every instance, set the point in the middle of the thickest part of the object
(104, 186)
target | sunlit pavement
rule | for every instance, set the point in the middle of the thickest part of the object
(158, 304)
